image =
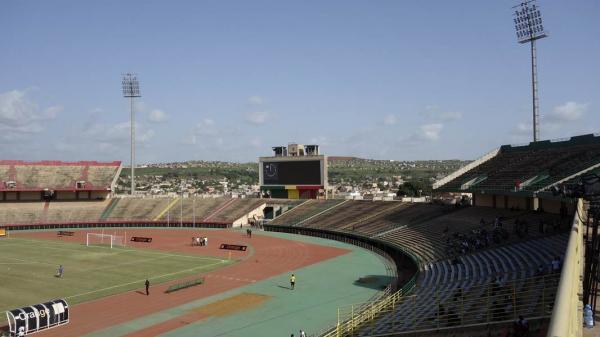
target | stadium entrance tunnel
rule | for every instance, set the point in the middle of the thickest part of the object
(402, 266)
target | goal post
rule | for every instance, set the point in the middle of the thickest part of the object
(93, 239)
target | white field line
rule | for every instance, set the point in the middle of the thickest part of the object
(140, 281)
(23, 261)
(119, 250)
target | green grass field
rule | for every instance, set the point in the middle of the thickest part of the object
(28, 268)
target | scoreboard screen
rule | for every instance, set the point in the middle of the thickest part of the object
(297, 172)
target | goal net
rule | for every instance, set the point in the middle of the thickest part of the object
(95, 239)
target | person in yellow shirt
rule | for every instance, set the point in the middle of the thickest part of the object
(292, 281)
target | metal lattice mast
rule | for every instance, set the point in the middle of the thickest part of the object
(529, 28)
(131, 89)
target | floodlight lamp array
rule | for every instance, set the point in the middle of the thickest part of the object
(528, 22)
(131, 85)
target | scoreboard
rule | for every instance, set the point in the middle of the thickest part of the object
(293, 177)
(301, 172)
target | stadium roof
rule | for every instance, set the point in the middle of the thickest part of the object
(526, 169)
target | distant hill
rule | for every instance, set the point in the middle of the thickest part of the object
(334, 158)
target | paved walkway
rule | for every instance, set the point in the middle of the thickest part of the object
(312, 306)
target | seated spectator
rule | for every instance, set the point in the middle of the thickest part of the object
(541, 270)
(555, 265)
(521, 327)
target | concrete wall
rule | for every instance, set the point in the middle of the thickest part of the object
(550, 206)
(517, 202)
(484, 200)
(31, 196)
(63, 195)
(100, 195)
(243, 221)
(11, 196)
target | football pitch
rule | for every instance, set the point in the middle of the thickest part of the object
(28, 269)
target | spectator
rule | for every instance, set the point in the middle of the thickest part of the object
(302, 333)
(555, 265)
(541, 270)
(556, 226)
(521, 327)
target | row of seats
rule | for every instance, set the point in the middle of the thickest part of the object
(352, 213)
(218, 209)
(304, 211)
(467, 288)
(58, 176)
(546, 162)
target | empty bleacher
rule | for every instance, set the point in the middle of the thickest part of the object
(531, 167)
(350, 214)
(428, 239)
(57, 175)
(20, 212)
(304, 211)
(101, 176)
(465, 293)
(44, 176)
(69, 211)
(138, 208)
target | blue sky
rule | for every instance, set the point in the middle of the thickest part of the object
(226, 80)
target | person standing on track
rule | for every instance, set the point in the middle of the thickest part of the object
(292, 281)
(147, 283)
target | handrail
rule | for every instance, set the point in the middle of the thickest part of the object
(566, 318)
(478, 304)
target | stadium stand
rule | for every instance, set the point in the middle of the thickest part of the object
(138, 208)
(305, 211)
(20, 212)
(56, 180)
(529, 168)
(493, 285)
(350, 213)
(75, 211)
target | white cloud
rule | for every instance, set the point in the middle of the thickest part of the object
(256, 100)
(119, 133)
(18, 114)
(390, 120)
(53, 111)
(256, 142)
(426, 133)
(568, 112)
(158, 116)
(206, 127)
(450, 116)
(257, 118)
(434, 112)
(431, 132)
(523, 129)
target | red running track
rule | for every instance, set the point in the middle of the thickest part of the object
(268, 257)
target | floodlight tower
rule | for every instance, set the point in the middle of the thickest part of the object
(529, 27)
(131, 89)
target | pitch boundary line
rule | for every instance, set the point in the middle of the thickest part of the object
(140, 281)
(121, 250)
